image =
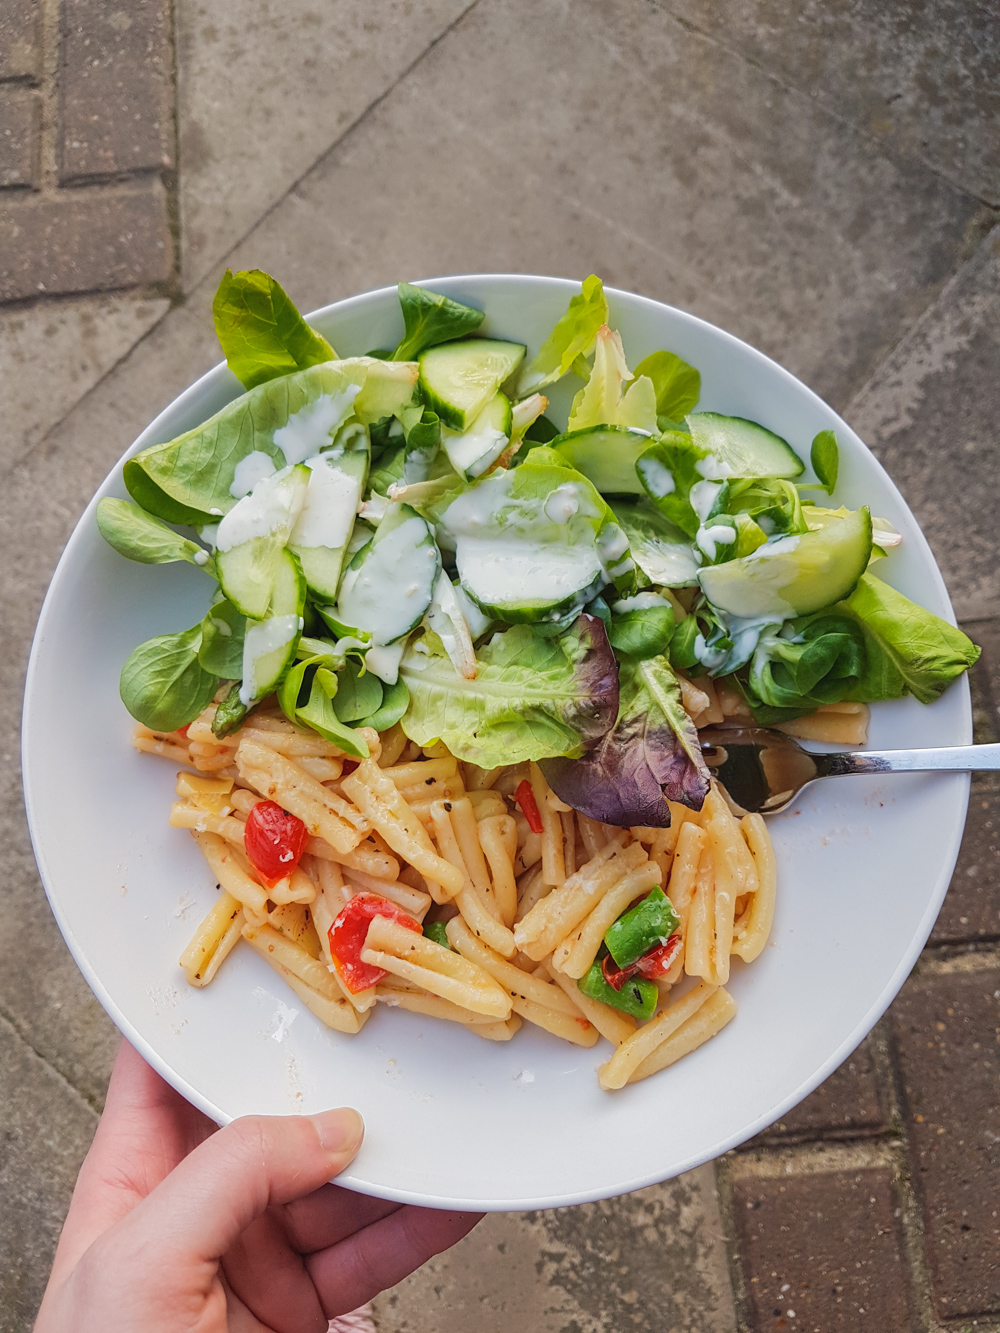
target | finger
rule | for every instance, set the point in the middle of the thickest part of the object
(215, 1193)
(348, 1274)
(329, 1215)
(270, 1278)
(146, 1129)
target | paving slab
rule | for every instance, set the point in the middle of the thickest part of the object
(20, 39)
(20, 117)
(930, 415)
(52, 353)
(947, 1025)
(971, 911)
(653, 1262)
(921, 79)
(47, 1128)
(649, 154)
(265, 87)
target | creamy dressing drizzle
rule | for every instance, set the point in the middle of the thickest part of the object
(312, 426)
(270, 509)
(255, 467)
(331, 503)
(391, 588)
(262, 639)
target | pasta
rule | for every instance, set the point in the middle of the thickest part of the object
(519, 919)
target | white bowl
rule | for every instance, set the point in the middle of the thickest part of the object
(454, 1121)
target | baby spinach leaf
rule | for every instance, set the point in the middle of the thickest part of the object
(677, 385)
(163, 685)
(572, 338)
(222, 634)
(139, 536)
(261, 331)
(825, 459)
(429, 319)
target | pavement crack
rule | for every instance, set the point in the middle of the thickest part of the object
(20, 1035)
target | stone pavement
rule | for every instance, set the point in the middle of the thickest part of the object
(821, 178)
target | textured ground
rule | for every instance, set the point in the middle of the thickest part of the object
(820, 178)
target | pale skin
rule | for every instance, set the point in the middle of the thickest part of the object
(177, 1226)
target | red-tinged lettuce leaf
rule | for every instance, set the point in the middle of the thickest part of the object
(651, 753)
(532, 696)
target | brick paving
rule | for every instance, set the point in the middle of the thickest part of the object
(873, 1205)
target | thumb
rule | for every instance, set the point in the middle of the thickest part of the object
(217, 1190)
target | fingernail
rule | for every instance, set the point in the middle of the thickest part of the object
(339, 1131)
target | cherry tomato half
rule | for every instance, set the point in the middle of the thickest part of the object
(275, 840)
(348, 934)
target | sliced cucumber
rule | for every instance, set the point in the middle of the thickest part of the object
(662, 551)
(747, 449)
(252, 537)
(607, 455)
(270, 644)
(458, 379)
(471, 453)
(388, 585)
(325, 523)
(794, 575)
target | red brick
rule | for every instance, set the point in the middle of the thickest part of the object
(84, 240)
(972, 908)
(20, 39)
(823, 1251)
(848, 1101)
(19, 125)
(115, 88)
(947, 1028)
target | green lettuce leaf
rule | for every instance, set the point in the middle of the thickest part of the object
(261, 332)
(677, 386)
(532, 697)
(604, 400)
(909, 649)
(651, 753)
(163, 685)
(573, 337)
(429, 319)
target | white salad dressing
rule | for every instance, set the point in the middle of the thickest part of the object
(710, 538)
(447, 619)
(641, 601)
(269, 510)
(713, 468)
(389, 591)
(255, 467)
(658, 478)
(670, 564)
(703, 495)
(312, 426)
(331, 502)
(775, 546)
(501, 570)
(383, 661)
(562, 504)
(261, 640)
(472, 453)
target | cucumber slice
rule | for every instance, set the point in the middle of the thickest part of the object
(661, 550)
(269, 646)
(483, 443)
(747, 449)
(388, 585)
(794, 575)
(252, 536)
(607, 455)
(325, 524)
(458, 379)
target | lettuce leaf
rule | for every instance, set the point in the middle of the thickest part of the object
(909, 649)
(807, 662)
(261, 331)
(604, 400)
(532, 697)
(429, 319)
(572, 338)
(677, 386)
(651, 753)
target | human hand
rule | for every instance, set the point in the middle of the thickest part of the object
(177, 1226)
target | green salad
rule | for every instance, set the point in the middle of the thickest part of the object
(406, 537)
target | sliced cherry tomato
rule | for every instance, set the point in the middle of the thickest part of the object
(525, 798)
(275, 840)
(183, 731)
(349, 931)
(655, 963)
(349, 765)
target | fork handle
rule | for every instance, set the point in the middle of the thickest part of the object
(966, 758)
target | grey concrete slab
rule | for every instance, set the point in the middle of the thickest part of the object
(653, 1261)
(921, 77)
(265, 87)
(52, 353)
(930, 413)
(47, 1130)
(647, 153)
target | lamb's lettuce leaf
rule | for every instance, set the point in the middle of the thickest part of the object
(652, 752)
(771, 499)
(604, 400)
(572, 338)
(668, 470)
(677, 386)
(222, 634)
(532, 696)
(163, 685)
(429, 319)
(909, 649)
(139, 536)
(825, 459)
(261, 331)
(804, 663)
(306, 696)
